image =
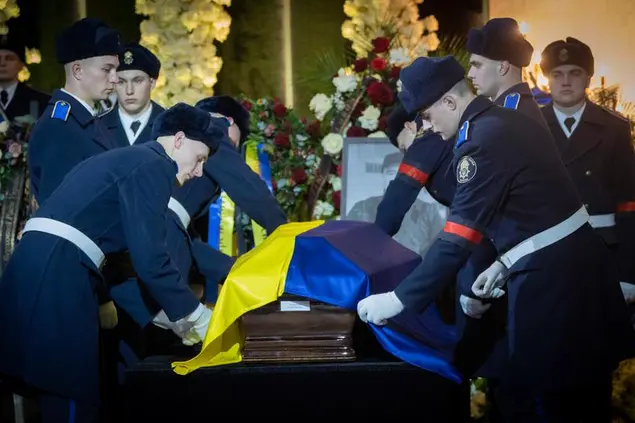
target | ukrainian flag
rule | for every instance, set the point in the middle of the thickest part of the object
(335, 262)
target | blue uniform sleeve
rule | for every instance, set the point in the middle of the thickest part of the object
(245, 187)
(402, 191)
(51, 156)
(481, 187)
(143, 199)
(624, 183)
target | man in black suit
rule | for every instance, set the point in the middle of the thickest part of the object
(131, 121)
(17, 99)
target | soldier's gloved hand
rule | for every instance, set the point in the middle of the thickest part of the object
(180, 327)
(473, 307)
(628, 289)
(377, 309)
(489, 283)
(200, 320)
(108, 318)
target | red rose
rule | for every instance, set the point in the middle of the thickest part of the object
(314, 129)
(378, 64)
(382, 125)
(337, 199)
(247, 105)
(281, 140)
(338, 170)
(360, 65)
(298, 175)
(380, 45)
(356, 131)
(380, 93)
(394, 72)
(279, 110)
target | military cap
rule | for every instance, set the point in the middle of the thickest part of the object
(14, 45)
(195, 123)
(227, 106)
(396, 120)
(134, 56)
(500, 39)
(426, 80)
(86, 38)
(567, 52)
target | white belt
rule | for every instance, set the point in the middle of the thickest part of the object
(62, 230)
(545, 238)
(180, 211)
(602, 220)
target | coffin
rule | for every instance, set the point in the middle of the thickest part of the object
(298, 329)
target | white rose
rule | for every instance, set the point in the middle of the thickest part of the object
(378, 134)
(333, 144)
(344, 83)
(320, 104)
(369, 118)
(431, 24)
(322, 209)
(336, 182)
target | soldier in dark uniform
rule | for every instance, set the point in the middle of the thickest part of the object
(88, 50)
(597, 150)
(498, 53)
(567, 325)
(111, 202)
(16, 98)
(131, 121)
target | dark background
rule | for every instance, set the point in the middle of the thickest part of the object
(251, 54)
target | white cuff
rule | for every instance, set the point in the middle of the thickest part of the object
(196, 314)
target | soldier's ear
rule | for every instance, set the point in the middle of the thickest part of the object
(503, 68)
(179, 139)
(76, 70)
(449, 101)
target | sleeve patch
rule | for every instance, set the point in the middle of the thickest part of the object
(61, 110)
(463, 231)
(465, 170)
(414, 173)
(512, 101)
(626, 207)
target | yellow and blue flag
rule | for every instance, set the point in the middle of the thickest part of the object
(335, 262)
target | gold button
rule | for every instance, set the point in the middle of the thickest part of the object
(587, 173)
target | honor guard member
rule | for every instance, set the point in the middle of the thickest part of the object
(597, 150)
(567, 325)
(130, 122)
(88, 50)
(498, 53)
(424, 154)
(16, 98)
(111, 202)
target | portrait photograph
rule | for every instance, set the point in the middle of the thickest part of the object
(368, 167)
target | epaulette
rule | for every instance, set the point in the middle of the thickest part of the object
(61, 110)
(464, 134)
(511, 101)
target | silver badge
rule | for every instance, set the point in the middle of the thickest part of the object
(127, 58)
(563, 56)
(465, 170)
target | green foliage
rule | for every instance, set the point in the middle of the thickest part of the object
(453, 46)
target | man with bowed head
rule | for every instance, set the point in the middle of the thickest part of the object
(112, 202)
(567, 326)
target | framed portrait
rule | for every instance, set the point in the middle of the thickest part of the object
(368, 167)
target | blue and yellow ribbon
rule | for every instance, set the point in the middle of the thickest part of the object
(222, 221)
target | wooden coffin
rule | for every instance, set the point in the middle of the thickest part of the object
(296, 329)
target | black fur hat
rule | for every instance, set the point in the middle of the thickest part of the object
(500, 39)
(134, 56)
(567, 52)
(86, 38)
(227, 106)
(195, 123)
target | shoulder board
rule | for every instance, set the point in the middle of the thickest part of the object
(464, 134)
(511, 101)
(61, 110)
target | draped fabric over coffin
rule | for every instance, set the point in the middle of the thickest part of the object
(335, 262)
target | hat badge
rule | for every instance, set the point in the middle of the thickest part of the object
(563, 56)
(127, 58)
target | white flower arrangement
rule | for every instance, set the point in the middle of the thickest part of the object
(370, 18)
(182, 34)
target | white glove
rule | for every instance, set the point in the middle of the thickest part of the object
(628, 289)
(377, 309)
(199, 319)
(180, 327)
(488, 284)
(473, 307)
